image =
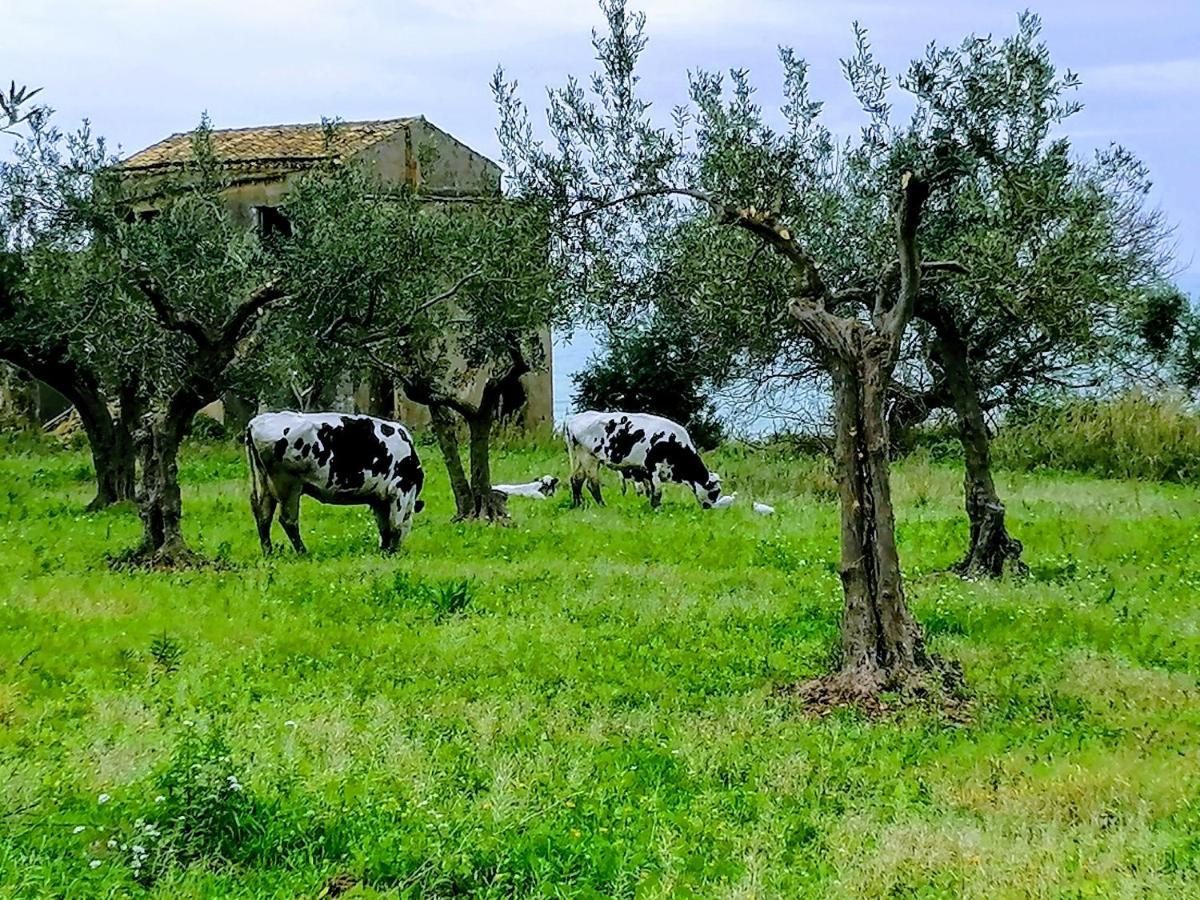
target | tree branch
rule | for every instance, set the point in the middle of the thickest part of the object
(260, 298)
(145, 283)
(420, 390)
(893, 319)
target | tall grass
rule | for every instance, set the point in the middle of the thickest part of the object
(1133, 435)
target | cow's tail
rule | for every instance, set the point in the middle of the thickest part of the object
(565, 431)
(258, 474)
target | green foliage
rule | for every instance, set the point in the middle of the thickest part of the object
(166, 652)
(206, 428)
(1134, 435)
(600, 718)
(651, 370)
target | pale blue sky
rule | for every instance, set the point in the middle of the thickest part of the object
(141, 69)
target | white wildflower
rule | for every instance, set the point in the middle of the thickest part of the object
(290, 723)
(112, 844)
(103, 798)
(93, 864)
(160, 799)
(78, 829)
(234, 784)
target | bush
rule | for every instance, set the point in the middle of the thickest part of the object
(208, 429)
(652, 370)
(1134, 435)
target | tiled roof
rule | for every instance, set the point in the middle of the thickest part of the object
(269, 145)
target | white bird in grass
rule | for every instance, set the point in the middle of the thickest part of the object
(763, 510)
(725, 501)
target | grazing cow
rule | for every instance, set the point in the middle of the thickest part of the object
(649, 450)
(336, 458)
(541, 489)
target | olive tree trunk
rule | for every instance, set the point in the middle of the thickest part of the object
(992, 550)
(160, 502)
(109, 440)
(111, 443)
(473, 494)
(882, 645)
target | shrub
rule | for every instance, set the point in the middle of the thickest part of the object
(1134, 435)
(209, 430)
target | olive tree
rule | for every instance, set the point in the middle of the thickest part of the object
(845, 217)
(450, 300)
(1060, 253)
(46, 306)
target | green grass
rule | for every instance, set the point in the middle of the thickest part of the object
(582, 705)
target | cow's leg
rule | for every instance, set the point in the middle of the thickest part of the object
(263, 505)
(593, 484)
(383, 518)
(289, 517)
(577, 480)
(654, 490)
(402, 513)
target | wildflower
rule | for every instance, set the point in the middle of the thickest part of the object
(160, 799)
(234, 784)
(93, 864)
(78, 829)
(112, 844)
(103, 798)
(290, 723)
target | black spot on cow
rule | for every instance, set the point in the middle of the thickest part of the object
(305, 450)
(621, 444)
(352, 450)
(298, 443)
(387, 429)
(280, 448)
(685, 463)
(408, 474)
(285, 431)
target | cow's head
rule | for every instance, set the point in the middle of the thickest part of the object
(708, 491)
(547, 485)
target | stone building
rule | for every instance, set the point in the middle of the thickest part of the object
(262, 163)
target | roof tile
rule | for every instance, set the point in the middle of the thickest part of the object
(269, 144)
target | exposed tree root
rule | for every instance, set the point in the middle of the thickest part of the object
(169, 557)
(492, 507)
(994, 552)
(877, 693)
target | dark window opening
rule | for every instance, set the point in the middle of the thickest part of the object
(270, 222)
(141, 215)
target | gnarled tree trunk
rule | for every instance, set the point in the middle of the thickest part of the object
(111, 444)
(110, 441)
(882, 644)
(473, 494)
(160, 502)
(992, 550)
(489, 504)
(445, 430)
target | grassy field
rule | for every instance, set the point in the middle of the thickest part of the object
(583, 704)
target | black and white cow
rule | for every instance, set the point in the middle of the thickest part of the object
(336, 458)
(649, 450)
